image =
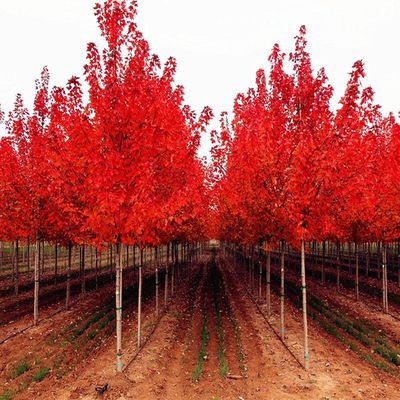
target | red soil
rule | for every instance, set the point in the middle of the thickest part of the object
(164, 367)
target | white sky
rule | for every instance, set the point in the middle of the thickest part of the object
(219, 44)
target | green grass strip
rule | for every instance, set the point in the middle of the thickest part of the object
(202, 350)
(223, 366)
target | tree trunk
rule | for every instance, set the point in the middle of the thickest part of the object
(398, 264)
(323, 262)
(96, 267)
(68, 294)
(121, 272)
(16, 266)
(118, 305)
(378, 264)
(83, 283)
(36, 283)
(55, 263)
(349, 254)
(111, 262)
(357, 283)
(384, 279)
(139, 321)
(304, 299)
(42, 257)
(259, 281)
(28, 255)
(282, 296)
(269, 283)
(166, 278)
(173, 269)
(91, 259)
(157, 306)
(338, 267)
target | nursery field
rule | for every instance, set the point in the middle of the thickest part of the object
(216, 339)
(134, 266)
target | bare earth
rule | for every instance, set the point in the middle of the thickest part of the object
(164, 367)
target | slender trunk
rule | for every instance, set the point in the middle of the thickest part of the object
(269, 283)
(304, 299)
(357, 283)
(121, 273)
(398, 264)
(42, 256)
(91, 258)
(157, 283)
(139, 321)
(282, 296)
(349, 254)
(118, 305)
(16, 266)
(378, 264)
(111, 262)
(338, 267)
(83, 283)
(384, 279)
(367, 259)
(28, 256)
(68, 294)
(166, 278)
(323, 262)
(55, 263)
(173, 268)
(259, 281)
(97, 268)
(36, 282)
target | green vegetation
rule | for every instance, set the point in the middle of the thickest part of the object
(202, 350)
(236, 330)
(6, 395)
(362, 331)
(40, 374)
(223, 366)
(19, 369)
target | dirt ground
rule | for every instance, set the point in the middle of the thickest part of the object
(164, 367)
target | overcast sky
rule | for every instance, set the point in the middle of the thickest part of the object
(219, 44)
